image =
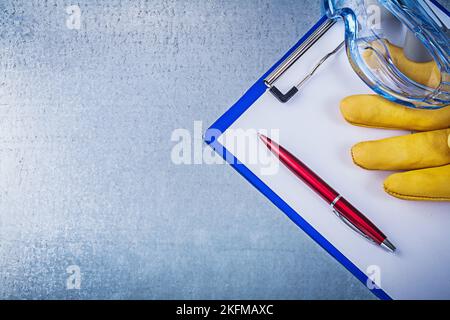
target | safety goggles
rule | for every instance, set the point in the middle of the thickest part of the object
(399, 48)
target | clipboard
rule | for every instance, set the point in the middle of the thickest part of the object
(311, 127)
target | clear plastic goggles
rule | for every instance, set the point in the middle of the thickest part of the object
(399, 48)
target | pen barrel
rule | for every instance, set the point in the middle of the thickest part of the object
(353, 215)
(349, 213)
(308, 176)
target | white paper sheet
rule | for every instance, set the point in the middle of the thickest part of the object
(312, 128)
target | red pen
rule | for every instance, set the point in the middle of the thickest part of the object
(341, 207)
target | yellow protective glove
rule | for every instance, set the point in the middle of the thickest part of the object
(426, 154)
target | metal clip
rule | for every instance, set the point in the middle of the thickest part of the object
(278, 72)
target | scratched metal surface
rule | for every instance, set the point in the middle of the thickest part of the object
(86, 177)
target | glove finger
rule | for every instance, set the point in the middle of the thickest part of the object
(408, 152)
(426, 73)
(374, 111)
(431, 184)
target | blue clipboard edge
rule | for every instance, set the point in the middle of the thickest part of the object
(229, 117)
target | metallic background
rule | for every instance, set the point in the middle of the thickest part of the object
(86, 176)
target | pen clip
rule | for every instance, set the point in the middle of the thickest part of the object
(351, 225)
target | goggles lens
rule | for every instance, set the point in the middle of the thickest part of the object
(400, 48)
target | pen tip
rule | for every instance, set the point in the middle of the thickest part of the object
(388, 245)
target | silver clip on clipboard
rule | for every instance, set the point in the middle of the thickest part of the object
(281, 69)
